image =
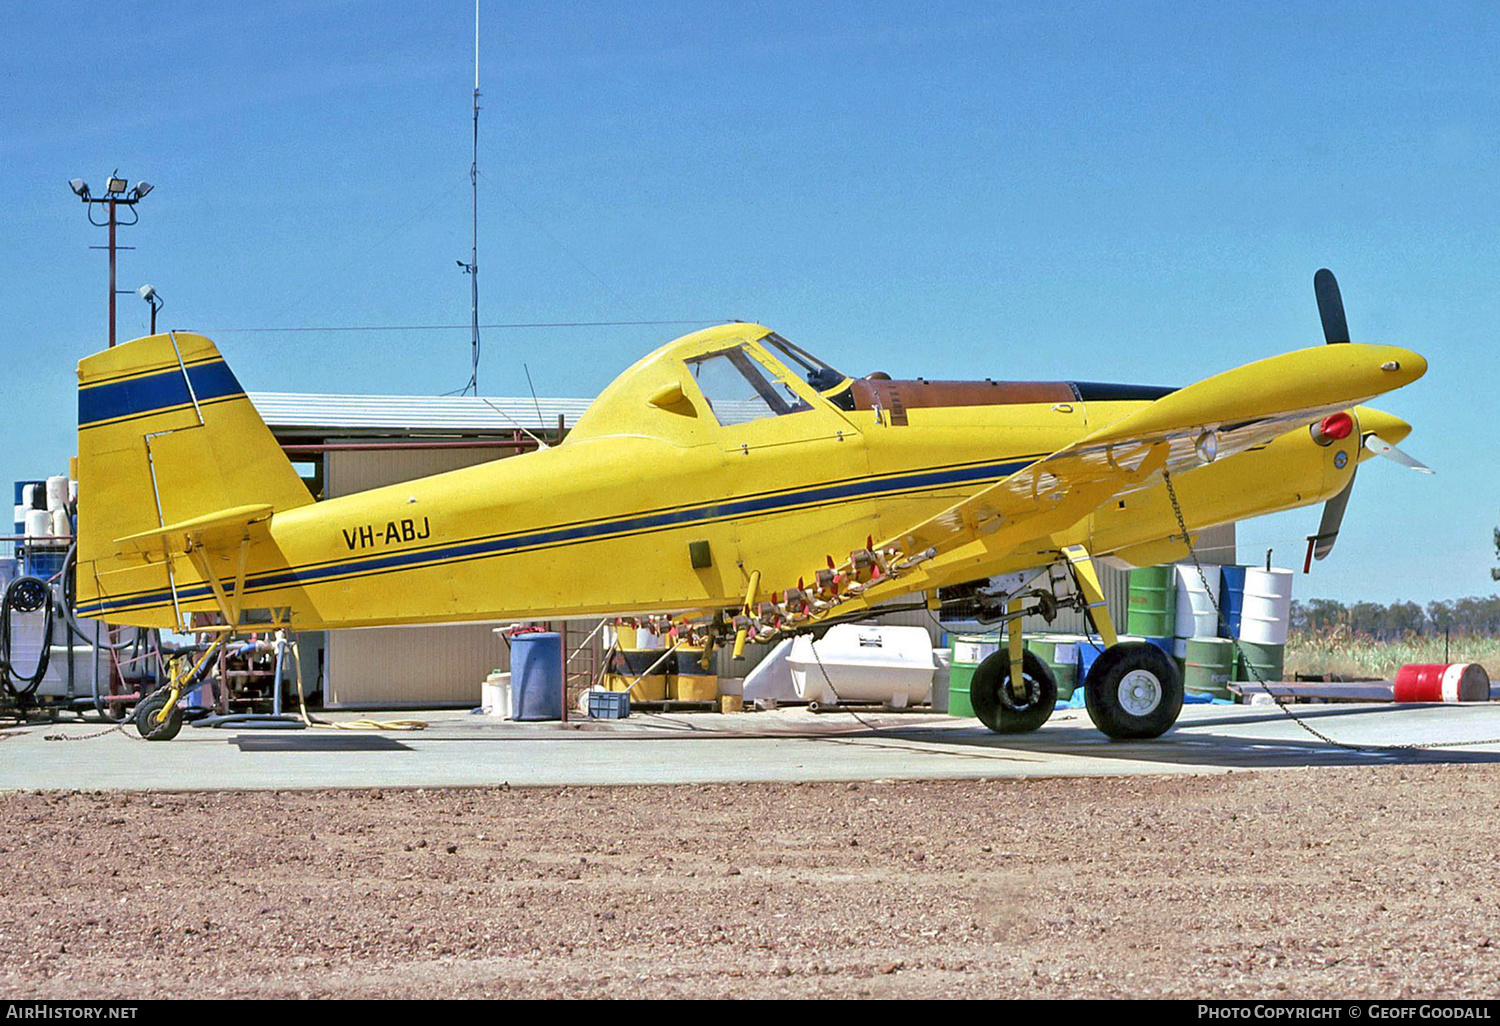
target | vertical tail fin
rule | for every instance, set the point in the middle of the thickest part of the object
(165, 435)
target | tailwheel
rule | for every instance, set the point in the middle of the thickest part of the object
(148, 716)
(996, 703)
(1133, 691)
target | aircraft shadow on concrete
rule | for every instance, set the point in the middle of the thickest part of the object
(317, 743)
(1188, 745)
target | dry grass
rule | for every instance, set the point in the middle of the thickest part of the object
(1356, 655)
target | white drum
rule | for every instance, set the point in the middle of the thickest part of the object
(1196, 613)
(1267, 611)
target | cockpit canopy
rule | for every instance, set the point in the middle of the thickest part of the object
(740, 388)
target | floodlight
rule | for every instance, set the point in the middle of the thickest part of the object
(140, 190)
(80, 188)
(147, 292)
(114, 186)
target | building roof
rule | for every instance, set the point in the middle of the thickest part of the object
(412, 414)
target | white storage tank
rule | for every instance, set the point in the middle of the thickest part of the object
(864, 663)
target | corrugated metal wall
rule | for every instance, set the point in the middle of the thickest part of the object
(415, 666)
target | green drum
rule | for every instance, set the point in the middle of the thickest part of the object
(1260, 662)
(969, 650)
(1152, 608)
(1060, 653)
(1209, 666)
(960, 678)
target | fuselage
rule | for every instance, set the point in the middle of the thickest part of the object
(667, 496)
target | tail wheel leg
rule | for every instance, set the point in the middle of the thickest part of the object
(158, 717)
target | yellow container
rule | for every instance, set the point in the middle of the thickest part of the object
(652, 688)
(683, 688)
(624, 636)
(731, 703)
(690, 662)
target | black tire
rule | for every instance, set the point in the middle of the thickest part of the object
(147, 711)
(1133, 692)
(998, 709)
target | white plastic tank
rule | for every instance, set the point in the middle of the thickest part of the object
(864, 663)
(1267, 611)
(1196, 614)
(61, 525)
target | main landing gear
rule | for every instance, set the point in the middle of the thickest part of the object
(1132, 692)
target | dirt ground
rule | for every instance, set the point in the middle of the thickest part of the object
(1300, 884)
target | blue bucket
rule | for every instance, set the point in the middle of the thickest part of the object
(536, 676)
(1231, 599)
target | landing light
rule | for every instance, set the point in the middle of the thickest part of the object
(1207, 446)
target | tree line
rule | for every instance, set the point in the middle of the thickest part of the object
(1399, 619)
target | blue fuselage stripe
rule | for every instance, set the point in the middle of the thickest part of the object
(644, 523)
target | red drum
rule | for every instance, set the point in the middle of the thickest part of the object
(1442, 682)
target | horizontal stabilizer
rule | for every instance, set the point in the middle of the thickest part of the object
(211, 530)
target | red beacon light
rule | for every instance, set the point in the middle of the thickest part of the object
(1333, 428)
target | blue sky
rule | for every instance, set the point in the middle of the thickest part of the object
(1108, 191)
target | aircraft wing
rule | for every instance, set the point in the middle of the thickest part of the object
(1217, 417)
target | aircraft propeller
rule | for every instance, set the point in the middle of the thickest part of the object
(1336, 331)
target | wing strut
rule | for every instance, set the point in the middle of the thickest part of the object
(1087, 579)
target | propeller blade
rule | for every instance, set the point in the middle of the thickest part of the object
(1330, 307)
(1381, 447)
(1321, 544)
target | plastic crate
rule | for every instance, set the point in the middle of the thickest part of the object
(609, 705)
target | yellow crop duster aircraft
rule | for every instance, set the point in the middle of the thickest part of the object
(734, 479)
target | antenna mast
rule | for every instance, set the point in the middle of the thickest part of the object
(472, 267)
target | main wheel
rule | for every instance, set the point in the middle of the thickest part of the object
(996, 705)
(1133, 691)
(149, 709)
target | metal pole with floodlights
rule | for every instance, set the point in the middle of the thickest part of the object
(117, 193)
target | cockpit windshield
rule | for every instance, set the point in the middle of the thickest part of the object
(739, 390)
(816, 373)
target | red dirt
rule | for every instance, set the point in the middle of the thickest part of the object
(1327, 883)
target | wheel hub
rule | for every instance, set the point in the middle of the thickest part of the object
(1140, 692)
(1026, 700)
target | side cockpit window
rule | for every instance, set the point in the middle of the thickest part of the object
(738, 389)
